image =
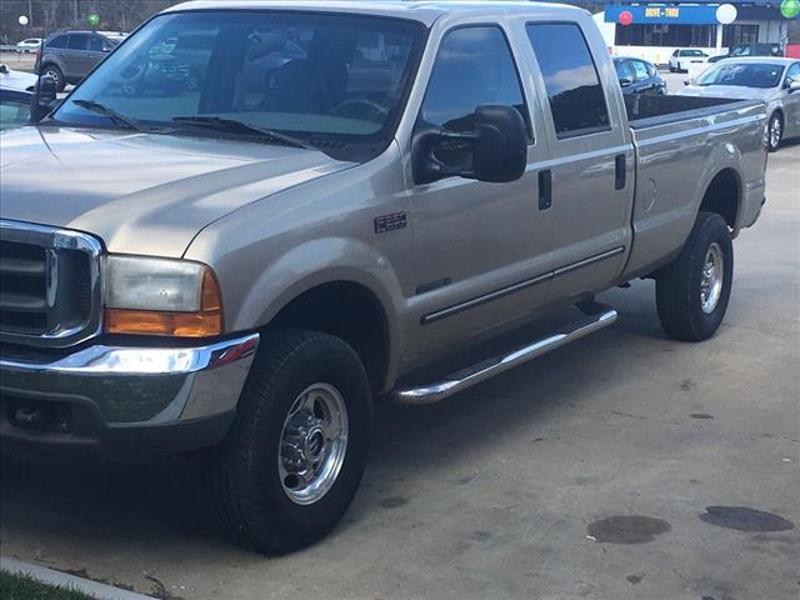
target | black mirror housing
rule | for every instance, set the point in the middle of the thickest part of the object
(45, 98)
(624, 82)
(498, 145)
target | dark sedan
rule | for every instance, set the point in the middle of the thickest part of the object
(637, 76)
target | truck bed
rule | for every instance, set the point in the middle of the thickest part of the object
(681, 143)
(649, 111)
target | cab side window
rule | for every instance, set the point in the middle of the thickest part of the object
(58, 42)
(474, 67)
(641, 70)
(576, 96)
(793, 74)
(76, 41)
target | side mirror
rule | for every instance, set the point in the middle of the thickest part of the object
(45, 98)
(495, 150)
(624, 82)
(793, 86)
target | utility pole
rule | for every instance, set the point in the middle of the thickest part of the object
(30, 12)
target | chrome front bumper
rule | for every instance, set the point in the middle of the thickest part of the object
(123, 388)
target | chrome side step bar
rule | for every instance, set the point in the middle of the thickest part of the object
(598, 317)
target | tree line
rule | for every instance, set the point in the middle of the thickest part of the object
(46, 16)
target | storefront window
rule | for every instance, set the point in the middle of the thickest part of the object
(699, 36)
(739, 34)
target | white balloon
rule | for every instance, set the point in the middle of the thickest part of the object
(726, 14)
(23, 20)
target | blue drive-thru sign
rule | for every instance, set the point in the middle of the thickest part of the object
(676, 14)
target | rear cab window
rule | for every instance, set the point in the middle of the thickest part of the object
(574, 91)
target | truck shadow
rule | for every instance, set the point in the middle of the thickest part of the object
(60, 505)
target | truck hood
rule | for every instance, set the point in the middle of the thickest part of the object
(142, 193)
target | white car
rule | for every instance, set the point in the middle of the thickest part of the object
(683, 57)
(775, 81)
(29, 45)
(16, 92)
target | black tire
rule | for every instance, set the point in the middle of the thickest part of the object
(775, 120)
(250, 494)
(57, 75)
(671, 69)
(678, 285)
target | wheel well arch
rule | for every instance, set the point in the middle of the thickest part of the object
(777, 111)
(348, 310)
(723, 196)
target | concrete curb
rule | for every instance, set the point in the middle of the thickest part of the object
(101, 591)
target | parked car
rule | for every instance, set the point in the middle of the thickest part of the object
(745, 50)
(637, 76)
(16, 92)
(775, 81)
(683, 57)
(67, 56)
(29, 45)
(255, 267)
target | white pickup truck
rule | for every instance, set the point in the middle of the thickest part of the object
(254, 218)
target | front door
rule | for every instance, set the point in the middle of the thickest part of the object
(480, 247)
(592, 172)
(791, 102)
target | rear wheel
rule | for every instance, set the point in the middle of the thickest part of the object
(294, 458)
(774, 131)
(692, 293)
(54, 72)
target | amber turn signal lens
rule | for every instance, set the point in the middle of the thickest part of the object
(205, 323)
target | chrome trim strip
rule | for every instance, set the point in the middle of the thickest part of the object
(53, 239)
(516, 287)
(467, 378)
(589, 261)
(116, 360)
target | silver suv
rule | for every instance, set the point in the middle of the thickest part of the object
(68, 56)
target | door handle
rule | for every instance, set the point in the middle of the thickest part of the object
(619, 172)
(545, 189)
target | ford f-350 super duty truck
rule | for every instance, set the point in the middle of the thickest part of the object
(255, 219)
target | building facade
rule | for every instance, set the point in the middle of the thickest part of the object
(656, 29)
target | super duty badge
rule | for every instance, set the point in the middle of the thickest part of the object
(390, 222)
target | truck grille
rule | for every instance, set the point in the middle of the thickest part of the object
(49, 285)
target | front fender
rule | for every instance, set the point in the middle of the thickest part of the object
(251, 302)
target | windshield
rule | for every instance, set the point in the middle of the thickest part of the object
(334, 81)
(750, 75)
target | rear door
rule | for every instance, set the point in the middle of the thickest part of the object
(592, 161)
(77, 60)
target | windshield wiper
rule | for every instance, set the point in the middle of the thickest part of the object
(232, 125)
(109, 112)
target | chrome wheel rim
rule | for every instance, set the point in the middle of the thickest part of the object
(775, 132)
(313, 443)
(712, 278)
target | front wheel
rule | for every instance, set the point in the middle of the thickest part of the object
(774, 131)
(295, 456)
(692, 293)
(54, 72)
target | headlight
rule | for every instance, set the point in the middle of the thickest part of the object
(155, 296)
